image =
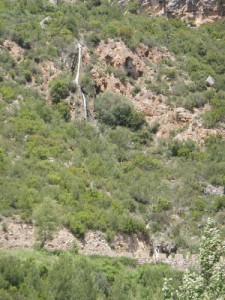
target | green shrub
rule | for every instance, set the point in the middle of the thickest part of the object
(9, 91)
(133, 7)
(12, 74)
(125, 32)
(160, 87)
(4, 227)
(64, 110)
(162, 204)
(28, 76)
(170, 73)
(77, 228)
(219, 203)
(183, 149)
(199, 205)
(216, 115)
(154, 127)
(135, 120)
(3, 160)
(196, 215)
(112, 29)
(88, 84)
(93, 39)
(136, 90)
(115, 110)
(60, 89)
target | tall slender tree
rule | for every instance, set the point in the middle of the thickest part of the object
(208, 283)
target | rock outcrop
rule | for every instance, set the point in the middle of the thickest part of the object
(214, 190)
(15, 50)
(117, 55)
(201, 11)
(112, 73)
(16, 234)
(118, 67)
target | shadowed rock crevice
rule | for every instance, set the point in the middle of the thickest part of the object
(131, 70)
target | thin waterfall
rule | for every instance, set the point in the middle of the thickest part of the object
(85, 105)
(76, 80)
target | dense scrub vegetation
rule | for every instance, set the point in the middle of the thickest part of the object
(35, 275)
(108, 176)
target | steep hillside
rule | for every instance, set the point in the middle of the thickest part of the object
(112, 148)
(149, 160)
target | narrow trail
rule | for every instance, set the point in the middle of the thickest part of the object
(76, 80)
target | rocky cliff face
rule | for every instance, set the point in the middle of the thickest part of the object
(120, 70)
(201, 11)
(16, 234)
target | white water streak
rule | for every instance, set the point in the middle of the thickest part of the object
(85, 106)
(79, 63)
(76, 80)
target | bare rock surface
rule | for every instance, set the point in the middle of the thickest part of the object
(214, 190)
(131, 245)
(15, 50)
(117, 55)
(109, 83)
(200, 11)
(16, 234)
(183, 123)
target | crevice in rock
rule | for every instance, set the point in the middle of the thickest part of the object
(108, 60)
(131, 69)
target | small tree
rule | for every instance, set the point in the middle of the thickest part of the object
(208, 284)
(46, 219)
(116, 110)
(61, 88)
